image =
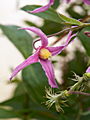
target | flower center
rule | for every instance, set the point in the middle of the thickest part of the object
(44, 53)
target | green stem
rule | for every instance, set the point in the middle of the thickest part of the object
(68, 29)
(76, 85)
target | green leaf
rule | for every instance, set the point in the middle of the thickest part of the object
(77, 65)
(4, 114)
(30, 23)
(85, 40)
(24, 105)
(16, 102)
(71, 21)
(50, 25)
(56, 4)
(35, 80)
(20, 38)
(47, 15)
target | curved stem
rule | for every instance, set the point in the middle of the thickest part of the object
(33, 44)
(79, 93)
(74, 28)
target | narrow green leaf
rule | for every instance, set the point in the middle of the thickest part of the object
(35, 80)
(47, 15)
(20, 38)
(85, 40)
(30, 23)
(71, 21)
(50, 25)
(5, 114)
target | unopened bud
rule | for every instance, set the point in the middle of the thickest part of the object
(87, 75)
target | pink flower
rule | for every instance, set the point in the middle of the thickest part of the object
(88, 70)
(42, 54)
(44, 8)
(86, 2)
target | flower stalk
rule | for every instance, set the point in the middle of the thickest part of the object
(75, 28)
(61, 98)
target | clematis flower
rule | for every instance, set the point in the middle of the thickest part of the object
(86, 2)
(88, 70)
(44, 8)
(42, 55)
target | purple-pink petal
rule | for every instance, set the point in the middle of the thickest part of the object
(44, 39)
(48, 68)
(86, 2)
(44, 8)
(88, 70)
(68, 1)
(30, 60)
(57, 50)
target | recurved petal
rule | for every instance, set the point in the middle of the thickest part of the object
(44, 39)
(86, 2)
(57, 50)
(88, 70)
(30, 60)
(48, 68)
(44, 8)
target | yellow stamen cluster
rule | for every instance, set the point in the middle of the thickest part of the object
(44, 53)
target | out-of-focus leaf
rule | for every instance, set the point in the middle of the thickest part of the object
(51, 27)
(85, 40)
(47, 27)
(70, 20)
(20, 38)
(85, 117)
(47, 15)
(77, 65)
(35, 80)
(5, 114)
(25, 106)
(30, 23)
(16, 102)
(56, 4)
(73, 13)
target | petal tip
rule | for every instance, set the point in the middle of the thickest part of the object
(30, 12)
(54, 86)
(10, 78)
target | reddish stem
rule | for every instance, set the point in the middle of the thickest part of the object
(79, 93)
